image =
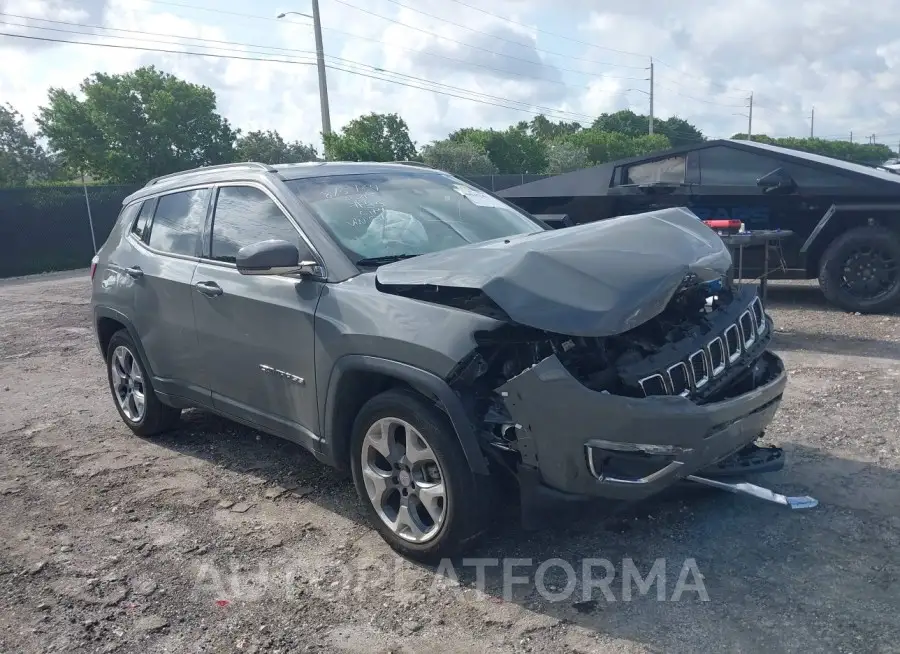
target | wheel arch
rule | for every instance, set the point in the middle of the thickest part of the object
(840, 218)
(357, 378)
(107, 322)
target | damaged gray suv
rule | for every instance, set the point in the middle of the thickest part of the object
(433, 340)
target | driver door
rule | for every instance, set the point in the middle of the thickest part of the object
(256, 332)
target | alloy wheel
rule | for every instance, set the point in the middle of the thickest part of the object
(128, 383)
(404, 480)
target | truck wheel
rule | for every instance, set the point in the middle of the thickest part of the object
(413, 478)
(132, 391)
(860, 270)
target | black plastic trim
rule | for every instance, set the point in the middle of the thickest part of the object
(417, 378)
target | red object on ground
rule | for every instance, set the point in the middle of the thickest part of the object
(723, 224)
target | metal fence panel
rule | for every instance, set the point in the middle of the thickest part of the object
(46, 228)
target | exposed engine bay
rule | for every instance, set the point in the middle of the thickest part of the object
(703, 347)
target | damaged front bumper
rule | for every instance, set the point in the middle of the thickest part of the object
(579, 441)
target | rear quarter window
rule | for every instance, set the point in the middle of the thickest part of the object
(140, 226)
(127, 215)
(178, 222)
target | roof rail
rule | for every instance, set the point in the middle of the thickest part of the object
(413, 163)
(239, 164)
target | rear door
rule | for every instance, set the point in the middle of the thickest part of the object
(256, 332)
(167, 239)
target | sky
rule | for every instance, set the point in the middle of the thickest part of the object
(447, 64)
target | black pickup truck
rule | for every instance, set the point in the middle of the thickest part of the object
(845, 217)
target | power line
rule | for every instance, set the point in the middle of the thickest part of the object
(513, 41)
(691, 97)
(453, 59)
(548, 32)
(579, 41)
(556, 113)
(485, 99)
(342, 60)
(474, 47)
(460, 61)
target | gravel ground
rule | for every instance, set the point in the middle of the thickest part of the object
(217, 538)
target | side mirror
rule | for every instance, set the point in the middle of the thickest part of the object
(273, 257)
(778, 181)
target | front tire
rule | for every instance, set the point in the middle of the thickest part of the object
(132, 390)
(413, 478)
(860, 270)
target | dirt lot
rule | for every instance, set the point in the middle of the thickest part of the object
(113, 543)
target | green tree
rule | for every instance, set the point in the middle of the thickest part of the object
(563, 157)
(624, 122)
(870, 154)
(135, 126)
(649, 143)
(22, 159)
(373, 137)
(459, 158)
(513, 150)
(677, 130)
(270, 148)
(546, 130)
(608, 146)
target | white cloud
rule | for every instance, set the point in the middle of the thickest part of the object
(841, 56)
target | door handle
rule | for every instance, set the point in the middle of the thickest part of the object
(209, 289)
(135, 271)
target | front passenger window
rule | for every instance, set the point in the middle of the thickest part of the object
(245, 215)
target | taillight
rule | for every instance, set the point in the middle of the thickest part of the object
(93, 267)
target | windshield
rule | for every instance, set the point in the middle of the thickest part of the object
(376, 217)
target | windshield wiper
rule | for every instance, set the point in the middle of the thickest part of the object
(380, 261)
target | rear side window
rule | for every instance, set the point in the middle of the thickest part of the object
(178, 221)
(143, 219)
(126, 217)
(245, 215)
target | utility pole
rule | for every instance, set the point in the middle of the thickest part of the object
(750, 119)
(651, 95)
(320, 61)
(851, 136)
(812, 122)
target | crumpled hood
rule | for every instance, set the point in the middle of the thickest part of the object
(596, 279)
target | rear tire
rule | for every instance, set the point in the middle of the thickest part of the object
(132, 389)
(414, 480)
(849, 263)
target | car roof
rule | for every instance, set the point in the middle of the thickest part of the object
(821, 160)
(250, 170)
(596, 181)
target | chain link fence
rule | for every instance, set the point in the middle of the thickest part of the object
(51, 228)
(47, 228)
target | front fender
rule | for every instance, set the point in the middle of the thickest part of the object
(425, 382)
